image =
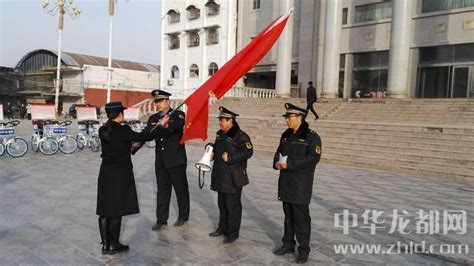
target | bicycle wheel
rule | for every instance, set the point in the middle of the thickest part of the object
(67, 145)
(150, 144)
(2, 149)
(17, 148)
(81, 141)
(49, 146)
(34, 142)
(94, 143)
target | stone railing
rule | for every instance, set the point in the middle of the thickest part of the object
(245, 92)
(147, 107)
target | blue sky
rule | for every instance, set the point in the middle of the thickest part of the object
(136, 30)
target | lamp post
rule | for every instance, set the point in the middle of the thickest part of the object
(109, 68)
(62, 7)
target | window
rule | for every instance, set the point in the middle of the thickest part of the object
(193, 12)
(256, 4)
(194, 71)
(193, 39)
(175, 72)
(370, 72)
(447, 54)
(344, 16)
(212, 36)
(373, 12)
(440, 5)
(173, 42)
(173, 16)
(212, 8)
(213, 68)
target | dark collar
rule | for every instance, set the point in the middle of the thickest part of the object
(300, 133)
(169, 111)
(232, 131)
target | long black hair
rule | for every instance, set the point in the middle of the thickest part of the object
(108, 125)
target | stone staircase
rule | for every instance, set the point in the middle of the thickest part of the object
(414, 136)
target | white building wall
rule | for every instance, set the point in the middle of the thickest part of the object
(122, 79)
(201, 55)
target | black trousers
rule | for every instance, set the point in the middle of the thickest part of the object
(166, 179)
(311, 108)
(297, 222)
(230, 213)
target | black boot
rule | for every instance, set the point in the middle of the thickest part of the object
(114, 233)
(103, 234)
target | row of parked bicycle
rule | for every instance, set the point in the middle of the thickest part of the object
(49, 136)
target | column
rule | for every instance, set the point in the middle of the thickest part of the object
(398, 64)
(348, 76)
(332, 39)
(283, 73)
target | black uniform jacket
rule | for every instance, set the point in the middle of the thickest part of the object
(239, 151)
(169, 152)
(303, 149)
(116, 194)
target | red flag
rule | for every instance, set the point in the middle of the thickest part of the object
(219, 83)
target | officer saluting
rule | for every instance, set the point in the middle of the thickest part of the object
(296, 158)
(232, 149)
(170, 161)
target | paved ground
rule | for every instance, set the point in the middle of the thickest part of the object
(47, 215)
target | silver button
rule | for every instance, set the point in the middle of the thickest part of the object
(161, 139)
(162, 149)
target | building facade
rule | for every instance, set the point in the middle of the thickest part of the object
(83, 79)
(198, 37)
(396, 48)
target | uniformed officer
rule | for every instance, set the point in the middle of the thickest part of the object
(170, 161)
(296, 158)
(116, 193)
(232, 149)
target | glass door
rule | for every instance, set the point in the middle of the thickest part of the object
(460, 84)
(434, 82)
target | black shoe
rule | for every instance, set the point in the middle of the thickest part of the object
(301, 259)
(158, 226)
(180, 222)
(116, 248)
(230, 239)
(216, 233)
(283, 250)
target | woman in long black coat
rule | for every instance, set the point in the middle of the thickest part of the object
(117, 194)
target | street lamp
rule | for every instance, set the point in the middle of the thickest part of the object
(62, 7)
(109, 69)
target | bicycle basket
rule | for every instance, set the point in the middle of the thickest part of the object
(60, 130)
(7, 132)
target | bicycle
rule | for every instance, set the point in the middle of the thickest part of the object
(67, 144)
(14, 146)
(88, 135)
(49, 136)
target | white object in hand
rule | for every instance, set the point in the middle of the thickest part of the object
(282, 158)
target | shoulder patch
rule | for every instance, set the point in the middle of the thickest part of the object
(181, 116)
(248, 145)
(318, 149)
